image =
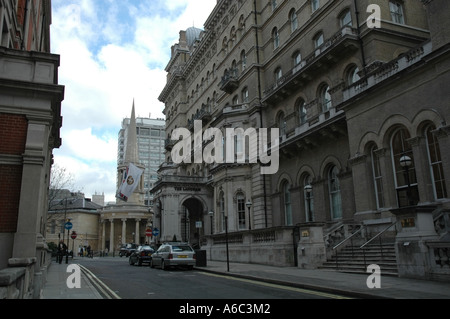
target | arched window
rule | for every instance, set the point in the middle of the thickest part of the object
(278, 74)
(275, 38)
(243, 60)
(404, 176)
(377, 177)
(318, 40)
(325, 98)
(345, 19)
(240, 205)
(353, 75)
(309, 198)
(245, 95)
(335, 193)
(287, 203)
(301, 111)
(297, 57)
(282, 124)
(435, 162)
(294, 20)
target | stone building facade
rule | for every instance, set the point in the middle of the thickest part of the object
(348, 100)
(30, 122)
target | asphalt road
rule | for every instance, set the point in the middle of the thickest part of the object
(143, 282)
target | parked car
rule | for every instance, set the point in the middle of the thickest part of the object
(127, 249)
(174, 254)
(143, 254)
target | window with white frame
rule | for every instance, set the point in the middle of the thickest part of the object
(334, 190)
(318, 40)
(435, 162)
(294, 20)
(315, 5)
(287, 203)
(396, 9)
(377, 177)
(240, 205)
(275, 38)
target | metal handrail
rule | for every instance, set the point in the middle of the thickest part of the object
(343, 241)
(377, 235)
(349, 237)
(374, 237)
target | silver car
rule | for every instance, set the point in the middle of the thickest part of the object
(174, 255)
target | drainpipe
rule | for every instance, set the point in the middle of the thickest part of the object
(360, 39)
(259, 98)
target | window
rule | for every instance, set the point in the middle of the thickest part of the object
(278, 74)
(297, 58)
(222, 210)
(315, 5)
(274, 4)
(309, 198)
(396, 9)
(435, 162)
(301, 111)
(276, 38)
(318, 40)
(294, 20)
(325, 98)
(335, 193)
(240, 204)
(353, 75)
(377, 177)
(345, 18)
(287, 204)
(245, 95)
(243, 60)
(282, 124)
(405, 179)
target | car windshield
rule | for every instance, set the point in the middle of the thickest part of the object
(146, 248)
(181, 248)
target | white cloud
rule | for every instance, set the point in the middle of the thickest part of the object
(111, 53)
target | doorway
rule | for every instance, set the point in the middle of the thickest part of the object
(192, 223)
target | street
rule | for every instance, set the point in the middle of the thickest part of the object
(143, 282)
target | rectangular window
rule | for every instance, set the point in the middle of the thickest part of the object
(241, 211)
(396, 10)
(315, 5)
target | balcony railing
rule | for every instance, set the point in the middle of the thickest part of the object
(336, 45)
(229, 81)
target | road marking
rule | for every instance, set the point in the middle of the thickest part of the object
(106, 291)
(294, 289)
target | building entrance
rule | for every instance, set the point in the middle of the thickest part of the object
(192, 222)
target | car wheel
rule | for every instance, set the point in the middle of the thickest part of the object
(139, 262)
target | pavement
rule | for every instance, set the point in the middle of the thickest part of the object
(329, 281)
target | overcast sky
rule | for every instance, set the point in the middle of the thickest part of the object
(112, 51)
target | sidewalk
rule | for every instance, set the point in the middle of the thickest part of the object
(351, 285)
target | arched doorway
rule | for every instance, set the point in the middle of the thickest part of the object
(192, 224)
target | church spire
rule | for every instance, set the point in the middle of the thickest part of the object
(131, 152)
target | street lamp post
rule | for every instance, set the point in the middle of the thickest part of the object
(226, 242)
(405, 163)
(249, 205)
(308, 190)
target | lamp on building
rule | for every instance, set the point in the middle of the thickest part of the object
(211, 214)
(308, 189)
(249, 205)
(405, 163)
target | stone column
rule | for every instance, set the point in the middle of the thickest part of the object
(136, 240)
(124, 230)
(111, 237)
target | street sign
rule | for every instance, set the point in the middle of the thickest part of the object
(148, 232)
(155, 231)
(68, 225)
(73, 235)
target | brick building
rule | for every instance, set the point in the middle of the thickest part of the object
(30, 121)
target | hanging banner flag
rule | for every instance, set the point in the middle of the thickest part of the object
(130, 180)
